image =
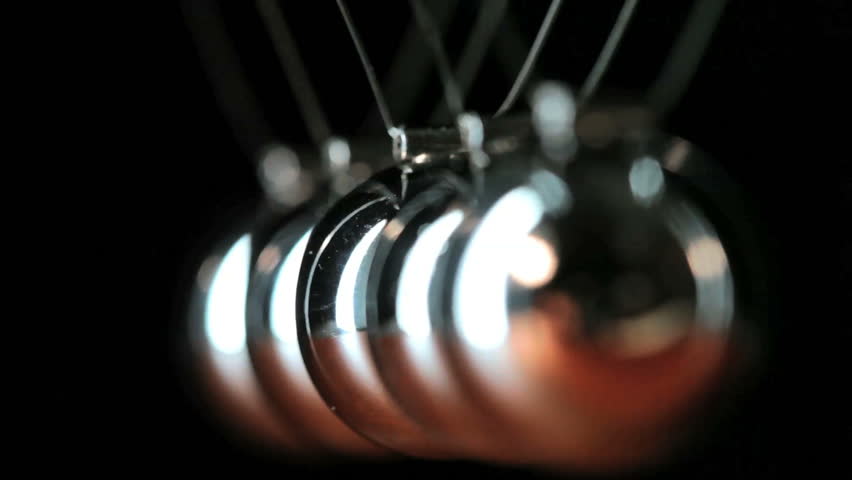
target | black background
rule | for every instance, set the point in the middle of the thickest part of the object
(748, 104)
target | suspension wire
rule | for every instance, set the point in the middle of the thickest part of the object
(294, 68)
(230, 85)
(368, 68)
(685, 55)
(473, 53)
(532, 56)
(510, 49)
(407, 75)
(608, 51)
(452, 92)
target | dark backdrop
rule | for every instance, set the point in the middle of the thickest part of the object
(748, 105)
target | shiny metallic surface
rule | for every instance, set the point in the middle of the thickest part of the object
(406, 348)
(571, 308)
(216, 329)
(580, 294)
(593, 308)
(242, 321)
(332, 314)
(273, 344)
(406, 325)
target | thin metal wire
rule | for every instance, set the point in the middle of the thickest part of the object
(231, 87)
(487, 21)
(532, 56)
(608, 50)
(368, 67)
(510, 49)
(294, 68)
(452, 93)
(407, 73)
(685, 55)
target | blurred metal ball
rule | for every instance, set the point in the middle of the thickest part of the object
(591, 304)
(273, 343)
(332, 315)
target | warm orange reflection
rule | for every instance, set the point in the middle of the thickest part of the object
(566, 401)
(621, 410)
(280, 368)
(415, 370)
(621, 390)
(350, 376)
(534, 262)
(232, 390)
(218, 335)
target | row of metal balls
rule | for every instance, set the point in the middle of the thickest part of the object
(549, 292)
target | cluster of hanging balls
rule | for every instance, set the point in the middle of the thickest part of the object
(558, 292)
